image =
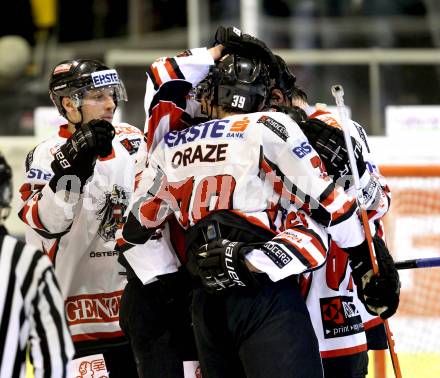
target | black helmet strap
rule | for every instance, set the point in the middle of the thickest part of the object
(76, 124)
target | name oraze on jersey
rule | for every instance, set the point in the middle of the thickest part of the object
(220, 164)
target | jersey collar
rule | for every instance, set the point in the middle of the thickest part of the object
(63, 132)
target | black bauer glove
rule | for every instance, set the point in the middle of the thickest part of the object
(78, 155)
(379, 293)
(329, 143)
(235, 41)
(220, 265)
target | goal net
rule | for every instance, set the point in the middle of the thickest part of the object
(413, 231)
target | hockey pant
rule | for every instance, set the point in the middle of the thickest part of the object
(159, 328)
(256, 333)
(352, 366)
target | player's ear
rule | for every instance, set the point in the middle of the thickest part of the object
(277, 97)
(72, 112)
(68, 104)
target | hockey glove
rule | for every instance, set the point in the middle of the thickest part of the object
(294, 112)
(103, 132)
(78, 155)
(379, 293)
(329, 143)
(237, 42)
(221, 265)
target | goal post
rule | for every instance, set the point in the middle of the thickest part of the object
(412, 228)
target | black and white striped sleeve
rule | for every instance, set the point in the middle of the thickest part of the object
(32, 313)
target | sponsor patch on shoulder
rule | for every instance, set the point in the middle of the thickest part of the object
(276, 253)
(131, 145)
(278, 128)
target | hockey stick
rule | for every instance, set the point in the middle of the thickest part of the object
(427, 262)
(338, 94)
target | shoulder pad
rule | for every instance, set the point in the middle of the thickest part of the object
(329, 119)
(275, 122)
(125, 128)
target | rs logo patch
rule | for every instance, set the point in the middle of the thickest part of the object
(302, 150)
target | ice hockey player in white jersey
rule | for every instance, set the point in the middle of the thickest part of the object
(339, 318)
(220, 178)
(77, 186)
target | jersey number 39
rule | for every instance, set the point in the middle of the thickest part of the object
(238, 101)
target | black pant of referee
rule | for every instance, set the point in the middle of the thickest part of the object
(261, 333)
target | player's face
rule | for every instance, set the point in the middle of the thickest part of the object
(98, 104)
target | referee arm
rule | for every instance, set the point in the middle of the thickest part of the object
(50, 340)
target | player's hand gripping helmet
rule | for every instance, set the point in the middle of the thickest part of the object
(237, 83)
(5, 188)
(75, 78)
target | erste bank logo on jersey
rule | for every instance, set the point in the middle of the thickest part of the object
(220, 128)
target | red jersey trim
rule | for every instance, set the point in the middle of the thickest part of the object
(372, 323)
(97, 335)
(253, 220)
(63, 132)
(24, 213)
(25, 191)
(109, 157)
(344, 351)
(317, 113)
(53, 250)
(170, 70)
(314, 240)
(36, 218)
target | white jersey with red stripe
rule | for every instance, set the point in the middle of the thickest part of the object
(77, 231)
(243, 163)
(338, 316)
(169, 81)
(167, 107)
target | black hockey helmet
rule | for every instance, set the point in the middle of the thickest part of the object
(237, 83)
(287, 80)
(74, 78)
(5, 188)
